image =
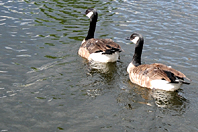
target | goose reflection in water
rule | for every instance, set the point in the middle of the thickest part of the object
(102, 67)
(100, 77)
(166, 101)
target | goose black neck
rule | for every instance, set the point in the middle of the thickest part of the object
(92, 26)
(138, 52)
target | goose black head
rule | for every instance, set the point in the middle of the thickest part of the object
(91, 13)
(135, 38)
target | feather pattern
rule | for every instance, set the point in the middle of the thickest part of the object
(157, 75)
(101, 50)
(144, 74)
(105, 46)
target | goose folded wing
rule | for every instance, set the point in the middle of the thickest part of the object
(102, 45)
(154, 73)
(178, 74)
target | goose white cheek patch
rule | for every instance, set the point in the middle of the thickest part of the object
(135, 40)
(89, 14)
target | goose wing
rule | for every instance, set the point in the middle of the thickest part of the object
(151, 72)
(144, 74)
(159, 71)
(165, 68)
(107, 46)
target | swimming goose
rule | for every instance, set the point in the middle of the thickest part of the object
(153, 76)
(99, 50)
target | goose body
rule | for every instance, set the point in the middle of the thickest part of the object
(99, 50)
(153, 76)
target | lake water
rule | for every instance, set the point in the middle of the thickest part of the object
(46, 87)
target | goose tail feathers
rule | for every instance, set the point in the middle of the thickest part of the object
(111, 50)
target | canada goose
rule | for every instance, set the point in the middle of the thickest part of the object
(153, 76)
(99, 50)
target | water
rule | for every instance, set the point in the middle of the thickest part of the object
(46, 86)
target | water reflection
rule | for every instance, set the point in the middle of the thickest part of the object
(167, 102)
(101, 77)
(102, 67)
(40, 69)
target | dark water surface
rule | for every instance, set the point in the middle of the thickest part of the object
(46, 87)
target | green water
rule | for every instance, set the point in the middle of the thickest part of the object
(47, 87)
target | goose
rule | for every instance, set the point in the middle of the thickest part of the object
(153, 76)
(98, 50)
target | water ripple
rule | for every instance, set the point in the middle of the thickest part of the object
(40, 68)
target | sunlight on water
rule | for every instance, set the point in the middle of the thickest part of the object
(46, 86)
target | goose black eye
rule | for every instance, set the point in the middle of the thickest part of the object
(87, 11)
(133, 36)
